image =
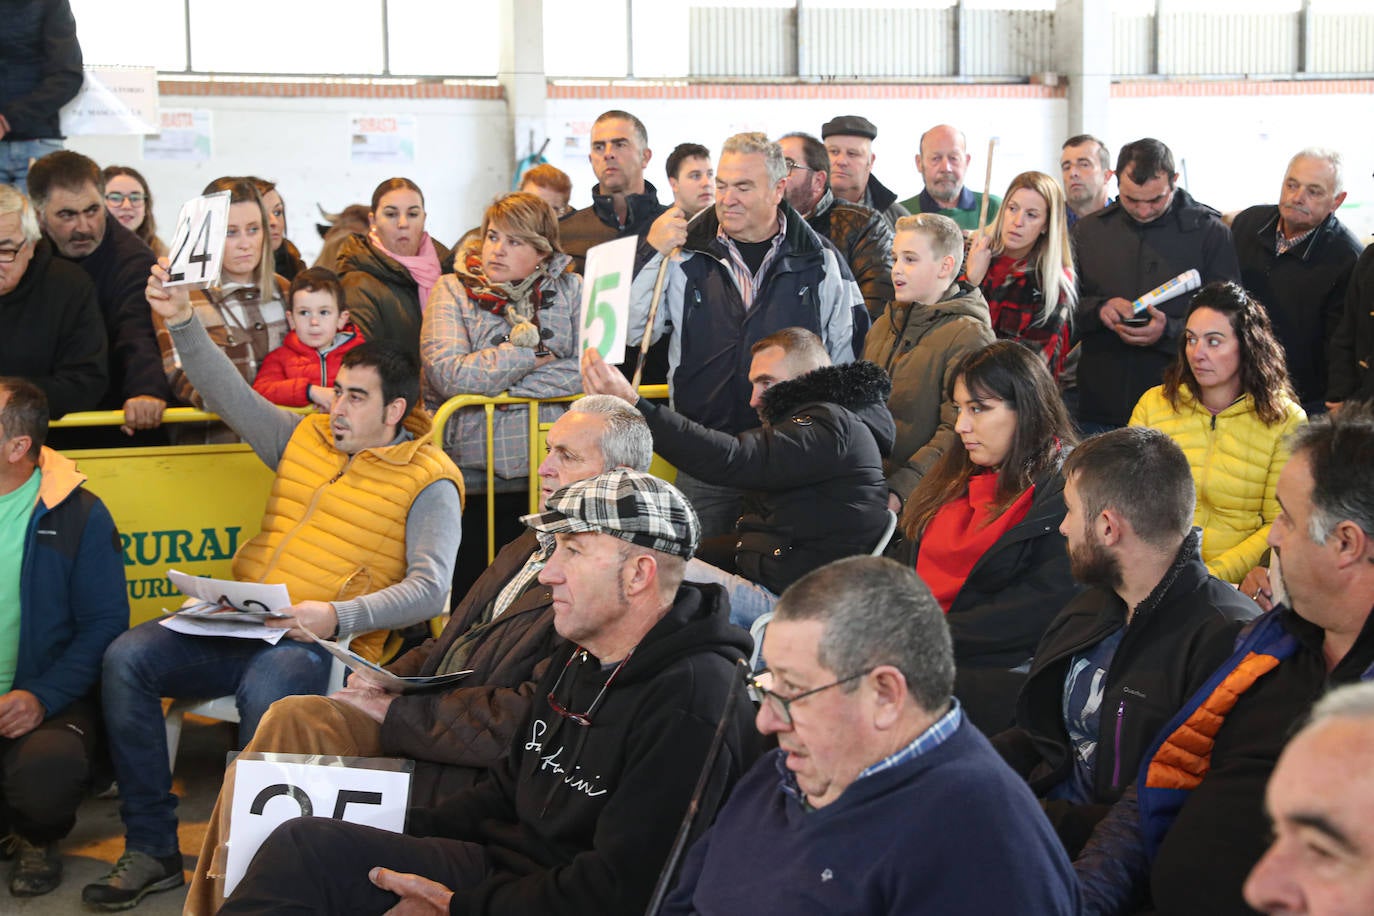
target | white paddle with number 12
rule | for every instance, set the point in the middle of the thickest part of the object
(198, 246)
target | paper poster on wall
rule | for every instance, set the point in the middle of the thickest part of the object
(383, 139)
(113, 100)
(186, 135)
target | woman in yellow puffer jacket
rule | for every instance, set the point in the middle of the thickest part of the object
(1228, 403)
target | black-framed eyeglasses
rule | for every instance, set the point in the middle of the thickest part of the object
(793, 164)
(116, 198)
(582, 718)
(760, 690)
(8, 255)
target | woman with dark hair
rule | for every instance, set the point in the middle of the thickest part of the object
(286, 257)
(982, 527)
(1023, 264)
(1228, 403)
(387, 274)
(128, 199)
(245, 314)
(505, 320)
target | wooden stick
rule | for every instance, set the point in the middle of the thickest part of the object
(987, 189)
(653, 315)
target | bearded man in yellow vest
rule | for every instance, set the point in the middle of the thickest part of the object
(362, 526)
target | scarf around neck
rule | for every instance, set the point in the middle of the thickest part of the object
(518, 303)
(423, 266)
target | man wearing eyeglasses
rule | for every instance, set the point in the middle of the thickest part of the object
(66, 191)
(52, 331)
(880, 797)
(860, 233)
(581, 815)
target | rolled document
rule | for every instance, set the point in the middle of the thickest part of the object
(1185, 282)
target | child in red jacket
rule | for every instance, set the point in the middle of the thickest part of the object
(301, 371)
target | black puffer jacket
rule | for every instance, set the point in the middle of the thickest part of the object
(383, 299)
(865, 241)
(40, 66)
(813, 472)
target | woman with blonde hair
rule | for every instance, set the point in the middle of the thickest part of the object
(505, 320)
(1227, 401)
(245, 312)
(1023, 264)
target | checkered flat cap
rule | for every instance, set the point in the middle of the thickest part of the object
(630, 505)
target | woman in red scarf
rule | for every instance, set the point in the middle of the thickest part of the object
(504, 320)
(387, 274)
(982, 528)
(1023, 264)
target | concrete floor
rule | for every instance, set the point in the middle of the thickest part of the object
(98, 839)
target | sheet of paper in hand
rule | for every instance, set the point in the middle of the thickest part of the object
(606, 297)
(227, 600)
(198, 245)
(392, 682)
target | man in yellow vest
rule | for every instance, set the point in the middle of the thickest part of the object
(362, 526)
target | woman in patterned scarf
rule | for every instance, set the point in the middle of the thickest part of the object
(505, 320)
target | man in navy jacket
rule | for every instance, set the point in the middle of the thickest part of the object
(62, 601)
(880, 797)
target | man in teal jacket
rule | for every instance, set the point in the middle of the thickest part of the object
(62, 601)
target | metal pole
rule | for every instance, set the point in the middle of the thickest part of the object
(386, 38)
(630, 38)
(186, 5)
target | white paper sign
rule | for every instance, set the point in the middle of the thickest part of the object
(258, 597)
(383, 139)
(606, 297)
(267, 792)
(113, 100)
(198, 245)
(186, 135)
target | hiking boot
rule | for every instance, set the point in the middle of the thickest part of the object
(38, 871)
(133, 877)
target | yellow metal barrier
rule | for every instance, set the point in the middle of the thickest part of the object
(189, 507)
(536, 443)
(186, 507)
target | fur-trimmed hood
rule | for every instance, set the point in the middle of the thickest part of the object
(860, 387)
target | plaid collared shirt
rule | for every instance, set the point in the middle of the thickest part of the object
(934, 736)
(1282, 244)
(925, 742)
(746, 281)
(527, 574)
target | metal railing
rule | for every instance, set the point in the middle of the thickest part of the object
(446, 411)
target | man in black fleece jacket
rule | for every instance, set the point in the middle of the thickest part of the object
(580, 817)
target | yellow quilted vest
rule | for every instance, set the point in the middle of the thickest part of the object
(335, 524)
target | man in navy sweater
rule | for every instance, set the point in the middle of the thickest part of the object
(880, 798)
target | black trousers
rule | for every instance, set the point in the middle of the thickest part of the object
(44, 774)
(318, 865)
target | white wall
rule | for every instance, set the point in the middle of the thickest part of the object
(462, 157)
(1235, 147)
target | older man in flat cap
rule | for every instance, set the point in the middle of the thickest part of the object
(849, 143)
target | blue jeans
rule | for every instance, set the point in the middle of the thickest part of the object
(15, 156)
(748, 600)
(150, 662)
